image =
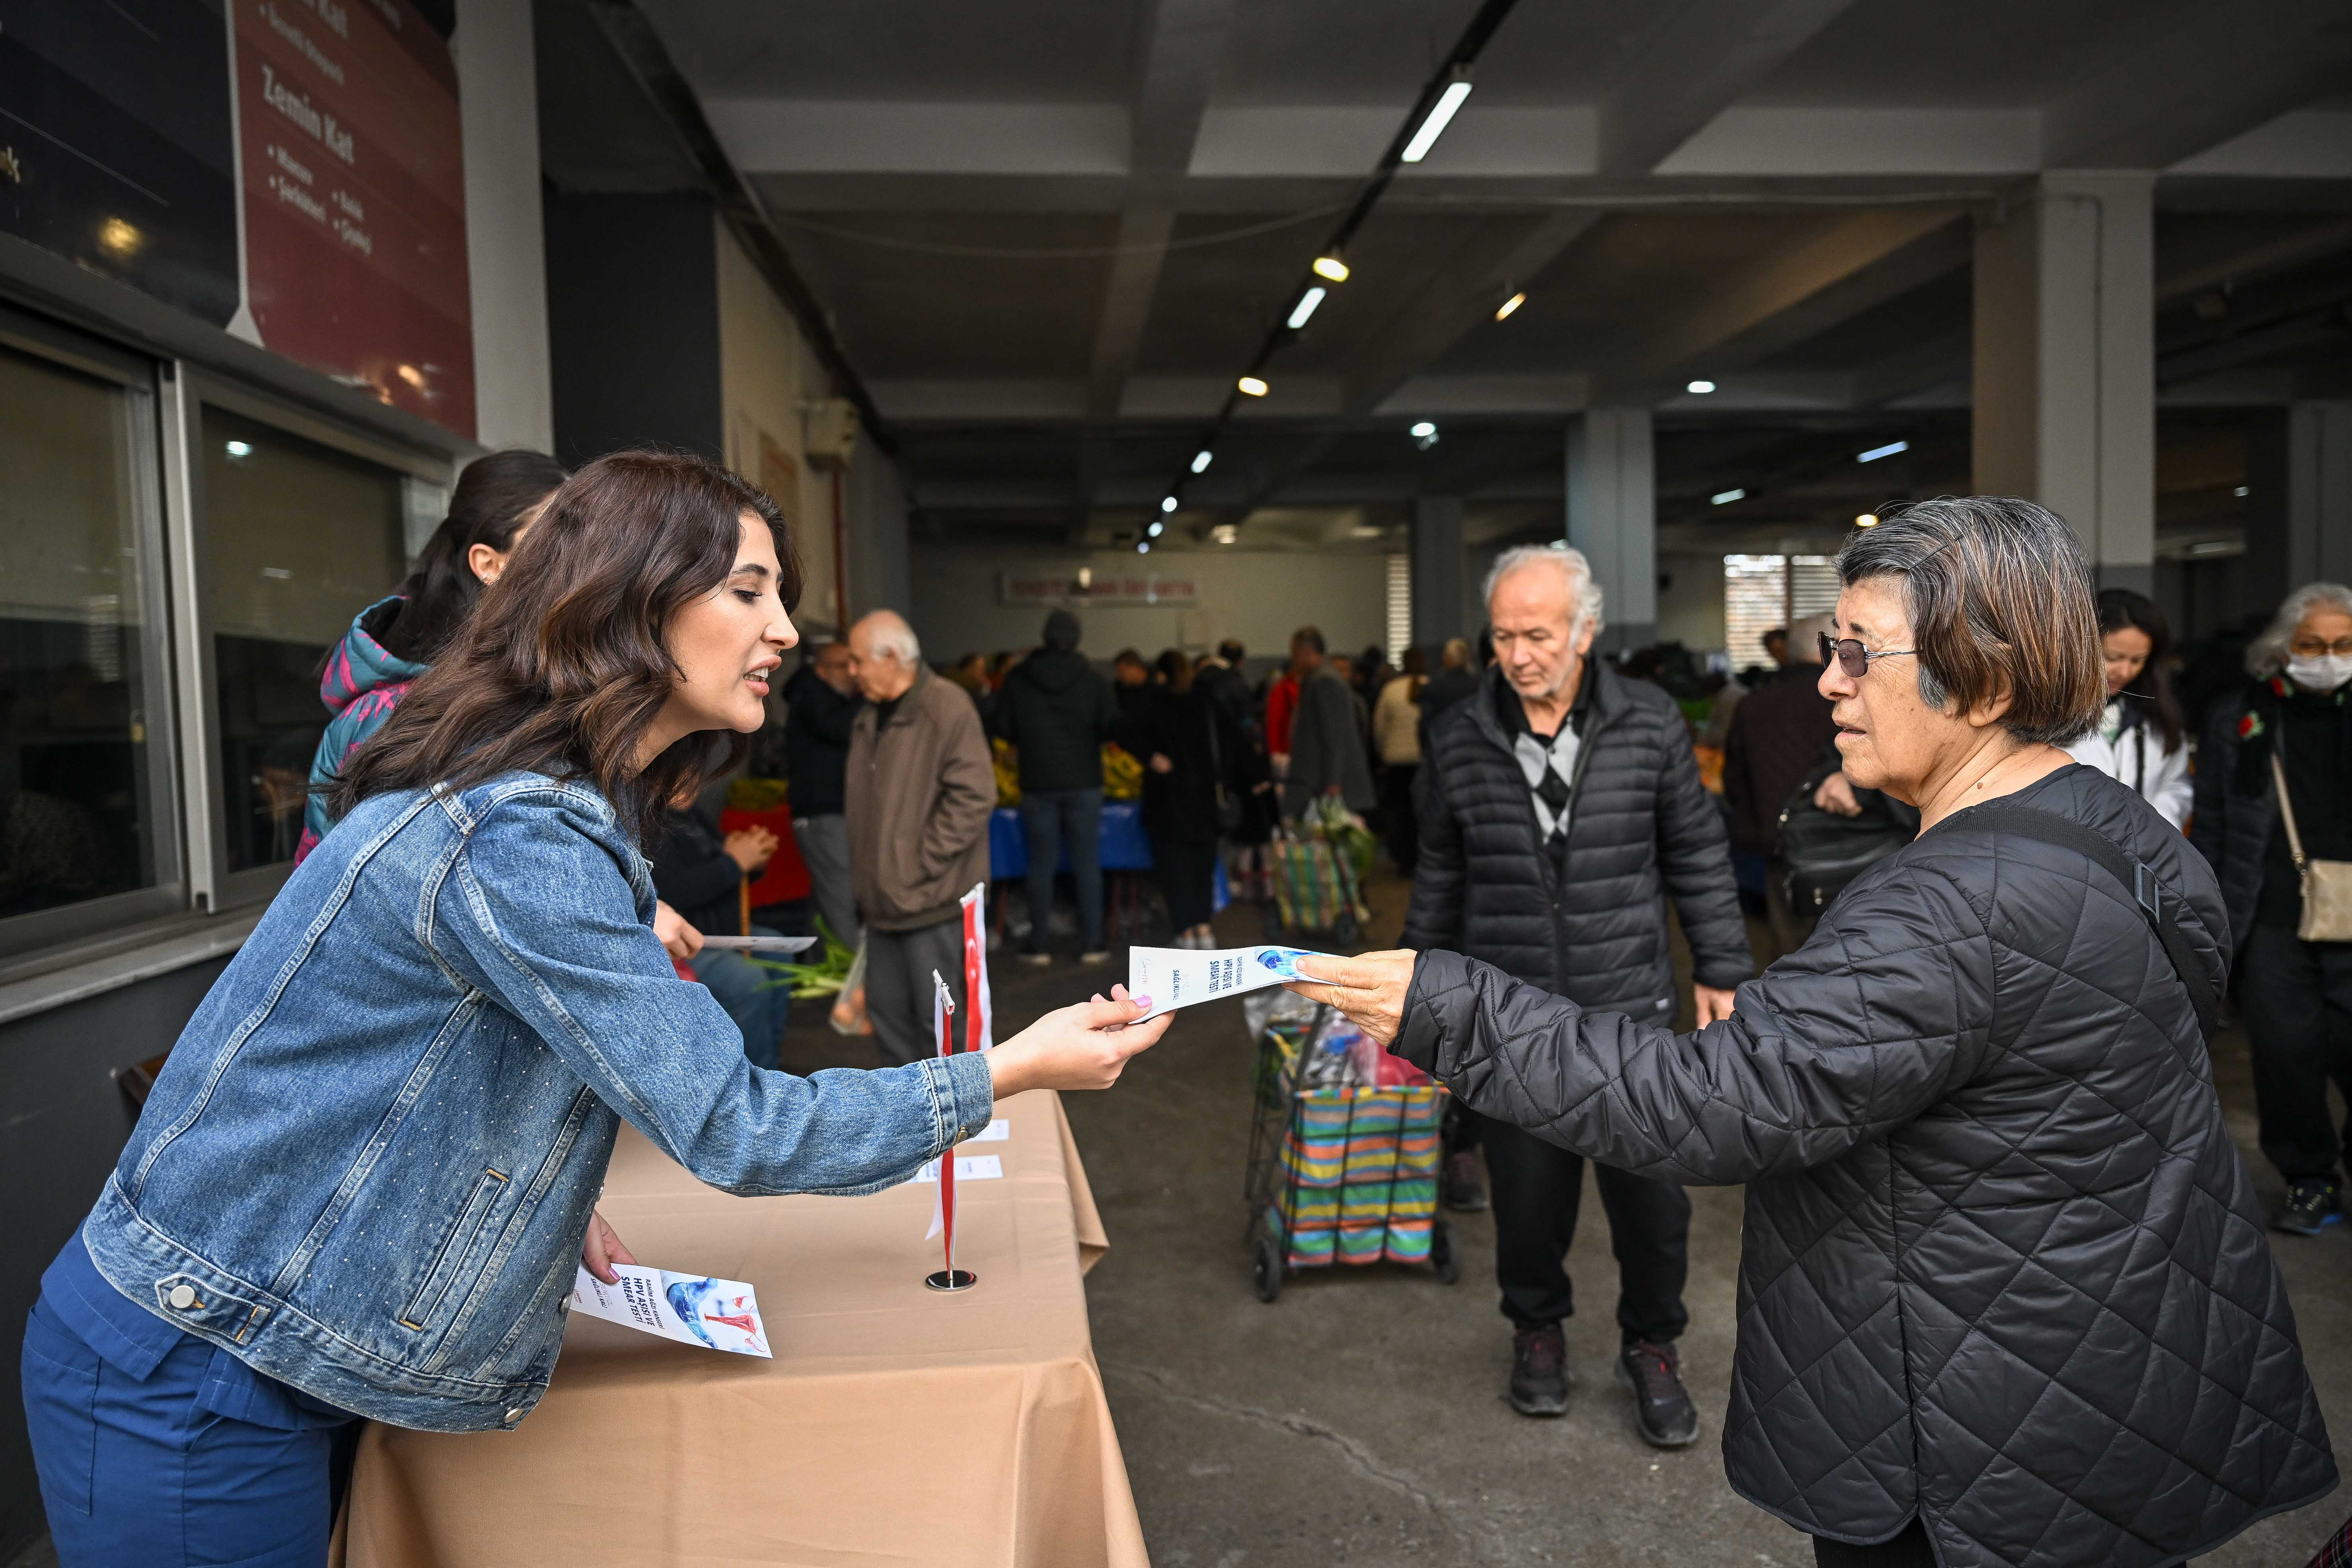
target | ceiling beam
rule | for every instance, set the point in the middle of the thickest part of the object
(1185, 41)
(1706, 55)
(1424, 327)
(2257, 261)
(1798, 292)
(2201, 74)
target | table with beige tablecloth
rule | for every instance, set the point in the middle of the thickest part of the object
(896, 1424)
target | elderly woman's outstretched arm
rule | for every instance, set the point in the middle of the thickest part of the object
(1884, 1012)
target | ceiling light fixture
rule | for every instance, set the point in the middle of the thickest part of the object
(1329, 265)
(1143, 547)
(1251, 387)
(1224, 533)
(1701, 387)
(1886, 451)
(1200, 460)
(1725, 498)
(1153, 531)
(1167, 503)
(1305, 307)
(1510, 305)
(2242, 491)
(1440, 115)
(238, 450)
(1422, 429)
(1867, 519)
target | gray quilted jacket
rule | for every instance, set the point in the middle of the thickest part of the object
(2002, 1267)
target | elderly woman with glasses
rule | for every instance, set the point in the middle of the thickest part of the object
(2005, 1297)
(2274, 795)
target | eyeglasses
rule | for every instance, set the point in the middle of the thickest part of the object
(2314, 648)
(1852, 658)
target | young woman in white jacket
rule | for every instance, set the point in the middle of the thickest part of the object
(2140, 739)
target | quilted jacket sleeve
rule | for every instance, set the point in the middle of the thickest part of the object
(1888, 1009)
(1434, 918)
(1695, 860)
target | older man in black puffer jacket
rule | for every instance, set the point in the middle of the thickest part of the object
(1559, 805)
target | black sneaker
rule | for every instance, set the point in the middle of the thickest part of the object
(1662, 1411)
(1464, 1192)
(2311, 1205)
(1539, 1372)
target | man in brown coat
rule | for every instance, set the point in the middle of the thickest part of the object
(919, 788)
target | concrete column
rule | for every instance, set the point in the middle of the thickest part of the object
(2064, 405)
(505, 259)
(1438, 591)
(1612, 517)
(2318, 493)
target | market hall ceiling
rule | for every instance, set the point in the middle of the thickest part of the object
(1048, 235)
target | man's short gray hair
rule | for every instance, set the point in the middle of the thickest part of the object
(1575, 573)
(2266, 655)
(894, 637)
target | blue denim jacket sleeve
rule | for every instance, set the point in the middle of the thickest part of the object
(539, 910)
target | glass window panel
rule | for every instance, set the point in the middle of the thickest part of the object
(302, 537)
(76, 812)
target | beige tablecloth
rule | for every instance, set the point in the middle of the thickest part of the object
(896, 1424)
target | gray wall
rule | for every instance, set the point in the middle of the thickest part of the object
(65, 1124)
(633, 324)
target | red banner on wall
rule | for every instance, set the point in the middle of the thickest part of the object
(355, 198)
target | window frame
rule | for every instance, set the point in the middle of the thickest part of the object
(137, 376)
(191, 388)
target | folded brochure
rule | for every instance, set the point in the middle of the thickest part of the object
(1177, 977)
(717, 1314)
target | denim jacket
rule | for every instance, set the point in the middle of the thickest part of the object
(367, 1167)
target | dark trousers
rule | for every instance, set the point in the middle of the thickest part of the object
(1188, 870)
(899, 991)
(1537, 1187)
(1909, 1549)
(2296, 998)
(1053, 820)
(1396, 815)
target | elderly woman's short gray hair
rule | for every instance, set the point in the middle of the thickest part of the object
(1575, 572)
(2266, 655)
(2001, 605)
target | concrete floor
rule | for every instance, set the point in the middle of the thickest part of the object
(1360, 1418)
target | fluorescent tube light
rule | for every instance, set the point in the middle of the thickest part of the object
(1201, 461)
(1510, 305)
(1440, 115)
(1725, 498)
(1886, 451)
(1701, 387)
(1306, 306)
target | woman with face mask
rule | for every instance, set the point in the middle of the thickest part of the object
(2292, 726)
(364, 1182)
(2140, 738)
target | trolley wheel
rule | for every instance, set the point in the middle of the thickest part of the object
(1440, 1254)
(1268, 1271)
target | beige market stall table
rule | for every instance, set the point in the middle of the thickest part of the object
(896, 1424)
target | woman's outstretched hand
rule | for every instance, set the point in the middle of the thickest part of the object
(1085, 1047)
(1369, 988)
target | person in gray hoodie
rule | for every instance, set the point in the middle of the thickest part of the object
(1057, 712)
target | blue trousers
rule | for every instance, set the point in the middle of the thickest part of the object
(144, 1473)
(1053, 820)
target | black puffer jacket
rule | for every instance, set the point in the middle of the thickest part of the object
(1640, 825)
(1057, 712)
(2002, 1267)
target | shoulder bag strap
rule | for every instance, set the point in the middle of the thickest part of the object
(2287, 810)
(2139, 879)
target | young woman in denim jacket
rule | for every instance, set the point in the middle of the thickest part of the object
(363, 1182)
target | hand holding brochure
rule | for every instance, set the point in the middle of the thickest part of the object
(1177, 977)
(717, 1314)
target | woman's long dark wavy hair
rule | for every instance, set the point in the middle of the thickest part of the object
(2120, 607)
(495, 496)
(565, 662)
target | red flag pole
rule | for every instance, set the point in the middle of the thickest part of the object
(950, 1278)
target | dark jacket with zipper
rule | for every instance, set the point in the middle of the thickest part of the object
(1057, 712)
(2236, 825)
(816, 742)
(694, 875)
(1640, 825)
(2003, 1268)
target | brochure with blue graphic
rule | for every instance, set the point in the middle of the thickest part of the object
(1177, 977)
(692, 1309)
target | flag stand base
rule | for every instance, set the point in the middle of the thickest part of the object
(951, 1279)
